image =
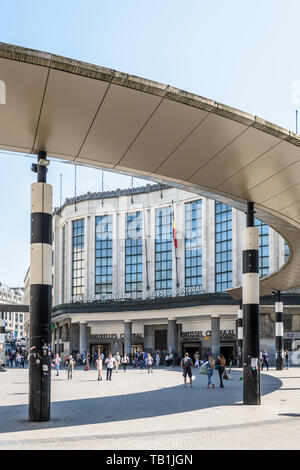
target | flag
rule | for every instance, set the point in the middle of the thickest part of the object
(174, 232)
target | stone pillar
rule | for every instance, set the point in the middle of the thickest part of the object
(127, 337)
(57, 337)
(82, 338)
(172, 335)
(215, 335)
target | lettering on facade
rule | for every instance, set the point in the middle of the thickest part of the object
(182, 291)
(114, 336)
(199, 334)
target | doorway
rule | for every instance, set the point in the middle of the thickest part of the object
(104, 348)
(228, 352)
(192, 348)
(136, 347)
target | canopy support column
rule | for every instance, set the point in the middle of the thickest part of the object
(251, 367)
(40, 294)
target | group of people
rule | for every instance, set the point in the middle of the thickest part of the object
(210, 366)
(264, 359)
(16, 358)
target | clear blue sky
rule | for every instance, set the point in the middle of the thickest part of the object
(241, 53)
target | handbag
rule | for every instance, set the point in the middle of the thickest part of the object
(203, 369)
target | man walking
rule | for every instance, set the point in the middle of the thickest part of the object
(110, 362)
(265, 360)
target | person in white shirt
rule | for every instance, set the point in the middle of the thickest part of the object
(110, 362)
(149, 362)
(125, 361)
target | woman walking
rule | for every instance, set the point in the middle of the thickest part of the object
(99, 365)
(220, 365)
(125, 361)
(210, 365)
(149, 362)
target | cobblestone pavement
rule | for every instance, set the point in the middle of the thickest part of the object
(137, 410)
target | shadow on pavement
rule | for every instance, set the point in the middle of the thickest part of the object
(153, 403)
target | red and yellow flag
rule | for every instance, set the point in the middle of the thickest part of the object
(174, 232)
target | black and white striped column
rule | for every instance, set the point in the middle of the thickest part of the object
(240, 335)
(251, 369)
(279, 332)
(40, 294)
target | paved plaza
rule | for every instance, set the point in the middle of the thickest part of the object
(138, 410)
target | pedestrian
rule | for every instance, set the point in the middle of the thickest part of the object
(197, 359)
(125, 362)
(157, 359)
(23, 361)
(286, 359)
(118, 361)
(265, 360)
(141, 360)
(186, 365)
(110, 362)
(99, 365)
(57, 362)
(210, 365)
(220, 366)
(70, 365)
(168, 361)
(149, 362)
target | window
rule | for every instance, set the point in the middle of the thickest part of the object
(78, 257)
(163, 250)
(16, 317)
(193, 243)
(104, 255)
(286, 252)
(133, 255)
(263, 255)
(223, 246)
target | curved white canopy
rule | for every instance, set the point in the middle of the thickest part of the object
(107, 119)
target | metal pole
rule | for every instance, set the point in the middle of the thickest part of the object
(240, 334)
(40, 294)
(279, 332)
(251, 367)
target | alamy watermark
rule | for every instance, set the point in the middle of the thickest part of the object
(296, 353)
(2, 92)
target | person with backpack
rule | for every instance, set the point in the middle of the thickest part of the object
(210, 365)
(220, 366)
(186, 365)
